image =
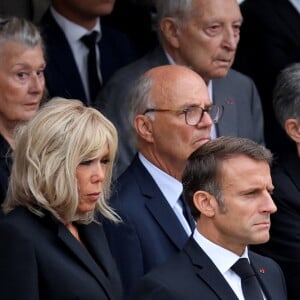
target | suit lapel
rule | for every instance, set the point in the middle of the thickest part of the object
(85, 258)
(208, 272)
(158, 206)
(60, 58)
(291, 164)
(264, 277)
(222, 95)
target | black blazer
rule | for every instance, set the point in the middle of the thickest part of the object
(62, 75)
(150, 232)
(284, 244)
(191, 275)
(5, 168)
(40, 259)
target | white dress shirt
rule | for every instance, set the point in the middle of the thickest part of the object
(296, 4)
(223, 260)
(74, 33)
(170, 187)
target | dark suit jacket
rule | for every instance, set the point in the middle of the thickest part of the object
(40, 259)
(5, 168)
(150, 232)
(62, 75)
(191, 275)
(284, 244)
(269, 42)
(242, 115)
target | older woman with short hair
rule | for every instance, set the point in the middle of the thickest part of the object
(51, 246)
(22, 84)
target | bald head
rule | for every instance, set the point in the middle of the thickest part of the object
(172, 83)
(158, 103)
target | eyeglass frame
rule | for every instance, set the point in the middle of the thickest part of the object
(186, 110)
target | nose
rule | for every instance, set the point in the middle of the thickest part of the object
(206, 121)
(269, 205)
(230, 39)
(98, 173)
(37, 83)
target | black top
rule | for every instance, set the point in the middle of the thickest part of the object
(5, 166)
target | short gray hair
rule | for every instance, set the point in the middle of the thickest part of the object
(178, 9)
(21, 31)
(139, 98)
(286, 96)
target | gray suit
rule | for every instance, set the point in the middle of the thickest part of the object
(242, 114)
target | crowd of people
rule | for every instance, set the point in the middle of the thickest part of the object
(150, 159)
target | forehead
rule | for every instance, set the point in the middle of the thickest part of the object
(243, 172)
(180, 91)
(19, 52)
(209, 10)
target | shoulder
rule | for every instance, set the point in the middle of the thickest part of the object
(238, 78)
(135, 69)
(267, 264)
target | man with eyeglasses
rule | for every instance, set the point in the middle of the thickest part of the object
(202, 35)
(172, 115)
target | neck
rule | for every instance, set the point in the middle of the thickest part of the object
(7, 130)
(173, 168)
(87, 22)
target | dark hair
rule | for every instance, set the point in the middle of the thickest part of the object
(202, 171)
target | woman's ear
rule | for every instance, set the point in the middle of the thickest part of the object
(204, 202)
(170, 31)
(292, 128)
(143, 127)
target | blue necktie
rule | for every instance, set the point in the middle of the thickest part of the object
(93, 79)
(187, 214)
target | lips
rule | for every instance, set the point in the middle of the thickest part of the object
(93, 196)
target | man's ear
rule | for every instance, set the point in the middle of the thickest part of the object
(143, 127)
(170, 31)
(204, 202)
(292, 128)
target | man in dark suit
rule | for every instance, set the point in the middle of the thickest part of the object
(172, 116)
(187, 39)
(227, 184)
(284, 245)
(63, 27)
(269, 42)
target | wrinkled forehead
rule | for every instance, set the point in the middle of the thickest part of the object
(217, 9)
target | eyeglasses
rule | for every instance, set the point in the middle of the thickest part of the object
(194, 114)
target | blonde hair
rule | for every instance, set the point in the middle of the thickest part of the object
(48, 150)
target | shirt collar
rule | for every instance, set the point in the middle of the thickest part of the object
(221, 257)
(169, 186)
(296, 4)
(73, 31)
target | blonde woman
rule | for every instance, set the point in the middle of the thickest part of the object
(51, 247)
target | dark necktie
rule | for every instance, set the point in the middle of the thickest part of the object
(93, 79)
(250, 285)
(187, 213)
